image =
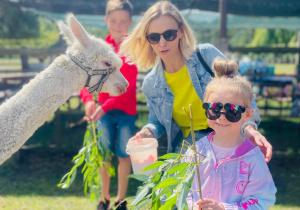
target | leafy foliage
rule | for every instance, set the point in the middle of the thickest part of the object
(240, 37)
(16, 23)
(94, 155)
(271, 37)
(97, 32)
(47, 37)
(170, 183)
(172, 180)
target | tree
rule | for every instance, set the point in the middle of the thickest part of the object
(16, 23)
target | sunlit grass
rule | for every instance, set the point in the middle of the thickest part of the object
(45, 202)
(37, 202)
(281, 207)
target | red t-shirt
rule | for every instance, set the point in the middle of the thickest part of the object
(125, 102)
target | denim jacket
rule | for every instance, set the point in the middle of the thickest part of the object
(160, 98)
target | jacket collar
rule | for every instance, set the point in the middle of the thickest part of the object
(193, 60)
(112, 42)
(160, 81)
(241, 150)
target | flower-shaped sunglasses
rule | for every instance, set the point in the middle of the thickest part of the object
(233, 113)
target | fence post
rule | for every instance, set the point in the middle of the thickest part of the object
(24, 60)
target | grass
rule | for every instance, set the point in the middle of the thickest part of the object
(32, 183)
(283, 133)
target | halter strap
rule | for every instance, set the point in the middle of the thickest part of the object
(92, 72)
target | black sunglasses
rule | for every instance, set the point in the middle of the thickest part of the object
(233, 112)
(169, 35)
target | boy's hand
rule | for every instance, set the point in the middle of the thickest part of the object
(259, 140)
(98, 114)
(207, 203)
(90, 108)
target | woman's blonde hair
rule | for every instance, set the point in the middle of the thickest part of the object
(136, 47)
(226, 79)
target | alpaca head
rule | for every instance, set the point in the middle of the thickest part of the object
(94, 53)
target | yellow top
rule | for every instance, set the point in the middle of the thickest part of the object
(185, 94)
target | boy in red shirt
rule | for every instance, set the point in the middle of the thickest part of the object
(115, 115)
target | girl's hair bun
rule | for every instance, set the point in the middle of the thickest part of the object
(223, 67)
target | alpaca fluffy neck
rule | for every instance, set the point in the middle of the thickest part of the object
(26, 111)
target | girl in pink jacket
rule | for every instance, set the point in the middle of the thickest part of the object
(234, 174)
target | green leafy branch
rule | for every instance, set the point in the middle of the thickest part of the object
(94, 155)
(172, 181)
(194, 147)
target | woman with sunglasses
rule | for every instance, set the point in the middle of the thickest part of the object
(234, 175)
(163, 40)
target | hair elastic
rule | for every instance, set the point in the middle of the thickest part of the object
(229, 75)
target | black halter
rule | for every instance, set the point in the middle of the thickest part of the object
(91, 72)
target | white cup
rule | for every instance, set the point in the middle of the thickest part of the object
(142, 153)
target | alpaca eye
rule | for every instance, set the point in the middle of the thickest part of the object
(107, 64)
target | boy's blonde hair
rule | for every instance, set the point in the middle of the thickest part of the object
(136, 47)
(226, 79)
(113, 5)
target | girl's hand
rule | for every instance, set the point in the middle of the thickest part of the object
(207, 203)
(98, 114)
(259, 140)
(90, 108)
(146, 133)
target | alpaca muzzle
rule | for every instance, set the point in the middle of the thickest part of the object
(93, 72)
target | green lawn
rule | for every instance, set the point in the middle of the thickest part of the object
(32, 182)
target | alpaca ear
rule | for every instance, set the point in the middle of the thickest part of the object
(78, 31)
(66, 32)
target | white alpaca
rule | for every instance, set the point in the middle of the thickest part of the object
(22, 114)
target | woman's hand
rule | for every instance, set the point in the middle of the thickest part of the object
(259, 140)
(90, 108)
(207, 203)
(145, 133)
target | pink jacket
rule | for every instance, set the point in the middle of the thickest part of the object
(242, 181)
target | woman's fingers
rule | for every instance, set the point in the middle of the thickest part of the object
(258, 139)
(265, 146)
(146, 133)
(137, 137)
(267, 149)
